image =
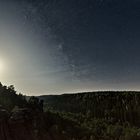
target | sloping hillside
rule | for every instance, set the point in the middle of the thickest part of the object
(86, 116)
(9, 98)
(117, 106)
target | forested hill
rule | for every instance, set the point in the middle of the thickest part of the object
(83, 116)
(9, 97)
(115, 106)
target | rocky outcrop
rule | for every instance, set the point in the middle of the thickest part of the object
(25, 124)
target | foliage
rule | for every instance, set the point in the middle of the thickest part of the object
(86, 116)
(9, 98)
(90, 128)
(112, 106)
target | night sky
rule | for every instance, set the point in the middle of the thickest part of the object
(66, 46)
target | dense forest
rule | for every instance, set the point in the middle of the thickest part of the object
(82, 116)
(9, 97)
(106, 115)
(113, 106)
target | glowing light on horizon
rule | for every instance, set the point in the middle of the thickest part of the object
(1, 66)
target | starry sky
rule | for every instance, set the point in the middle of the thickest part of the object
(66, 46)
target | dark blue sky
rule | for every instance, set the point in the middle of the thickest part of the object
(71, 45)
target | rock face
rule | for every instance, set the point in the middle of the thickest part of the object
(20, 125)
(15, 126)
(21, 115)
(25, 124)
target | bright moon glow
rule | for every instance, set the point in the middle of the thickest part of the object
(1, 66)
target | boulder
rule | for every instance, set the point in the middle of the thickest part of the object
(20, 115)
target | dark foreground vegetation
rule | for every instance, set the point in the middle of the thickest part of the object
(84, 116)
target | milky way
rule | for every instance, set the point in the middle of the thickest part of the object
(56, 46)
